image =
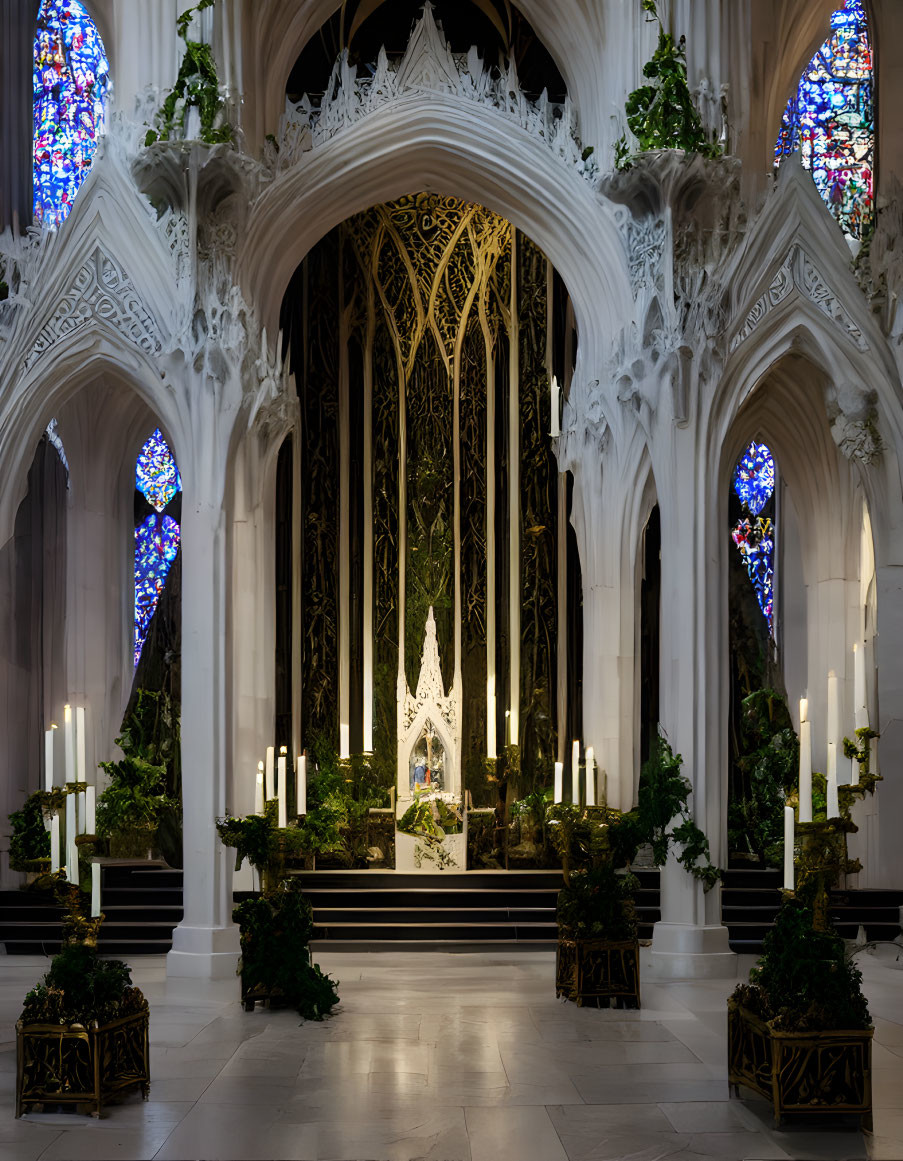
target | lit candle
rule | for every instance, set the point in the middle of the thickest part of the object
(301, 784)
(491, 750)
(283, 813)
(559, 781)
(788, 848)
(95, 890)
(69, 736)
(507, 727)
(270, 773)
(258, 790)
(805, 771)
(48, 757)
(590, 777)
(54, 843)
(555, 424)
(833, 807)
(344, 740)
(860, 703)
(575, 772)
(90, 810)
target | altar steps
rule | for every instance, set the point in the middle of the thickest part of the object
(386, 910)
(372, 909)
(750, 900)
(142, 903)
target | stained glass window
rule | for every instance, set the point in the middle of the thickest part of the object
(156, 475)
(158, 535)
(71, 79)
(831, 120)
(753, 534)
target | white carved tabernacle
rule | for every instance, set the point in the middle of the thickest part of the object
(429, 707)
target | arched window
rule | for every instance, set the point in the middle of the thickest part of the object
(831, 121)
(157, 530)
(71, 81)
(754, 532)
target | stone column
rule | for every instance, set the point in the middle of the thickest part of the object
(205, 944)
(690, 940)
(886, 857)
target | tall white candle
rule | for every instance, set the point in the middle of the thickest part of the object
(95, 890)
(491, 710)
(805, 771)
(69, 737)
(90, 810)
(833, 709)
(507, 727)
(301, 784)
(48, 758)
(81, 772)
(788, 848)
(590, 777)
(555, 422)
(271, 773)
(71, 848)
(559, 781)
(258, 790)
(54, 843)
(344, 740)
(860, 704)
(575, 772)
(283, 814)
(833, 808)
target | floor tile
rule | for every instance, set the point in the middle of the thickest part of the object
(525, 1134)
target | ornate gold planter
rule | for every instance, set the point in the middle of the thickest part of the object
(71, 1064)
(590, 970)
(801, 1072)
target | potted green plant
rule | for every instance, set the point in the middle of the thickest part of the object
(661, 114)
(29, 846)
(598, 951)
(82, 1037)
(799, 1033)
(142, 795)
(276, 926)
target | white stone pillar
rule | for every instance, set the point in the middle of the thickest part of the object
(690, 940)
(887, 853)
(205, 944)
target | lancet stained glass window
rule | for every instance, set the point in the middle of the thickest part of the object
(71, 78)
(158, 535)
(753, 534)
(831, 120)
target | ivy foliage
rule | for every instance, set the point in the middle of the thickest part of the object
(197, 86)
(430, 819)
(804, 980)
(276, 929)
(29, 846)
(80, 988)
(661, 114)
(768, 766)
(598, 904)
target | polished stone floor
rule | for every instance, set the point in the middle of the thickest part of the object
(444, 1057)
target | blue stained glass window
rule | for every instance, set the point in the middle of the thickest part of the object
(753, 534)
(831, 121)
(156, 475)
(156, 546)
(71, 80)
(158, 536)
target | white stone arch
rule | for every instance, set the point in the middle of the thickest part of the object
(454, 147)
(570, 30)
